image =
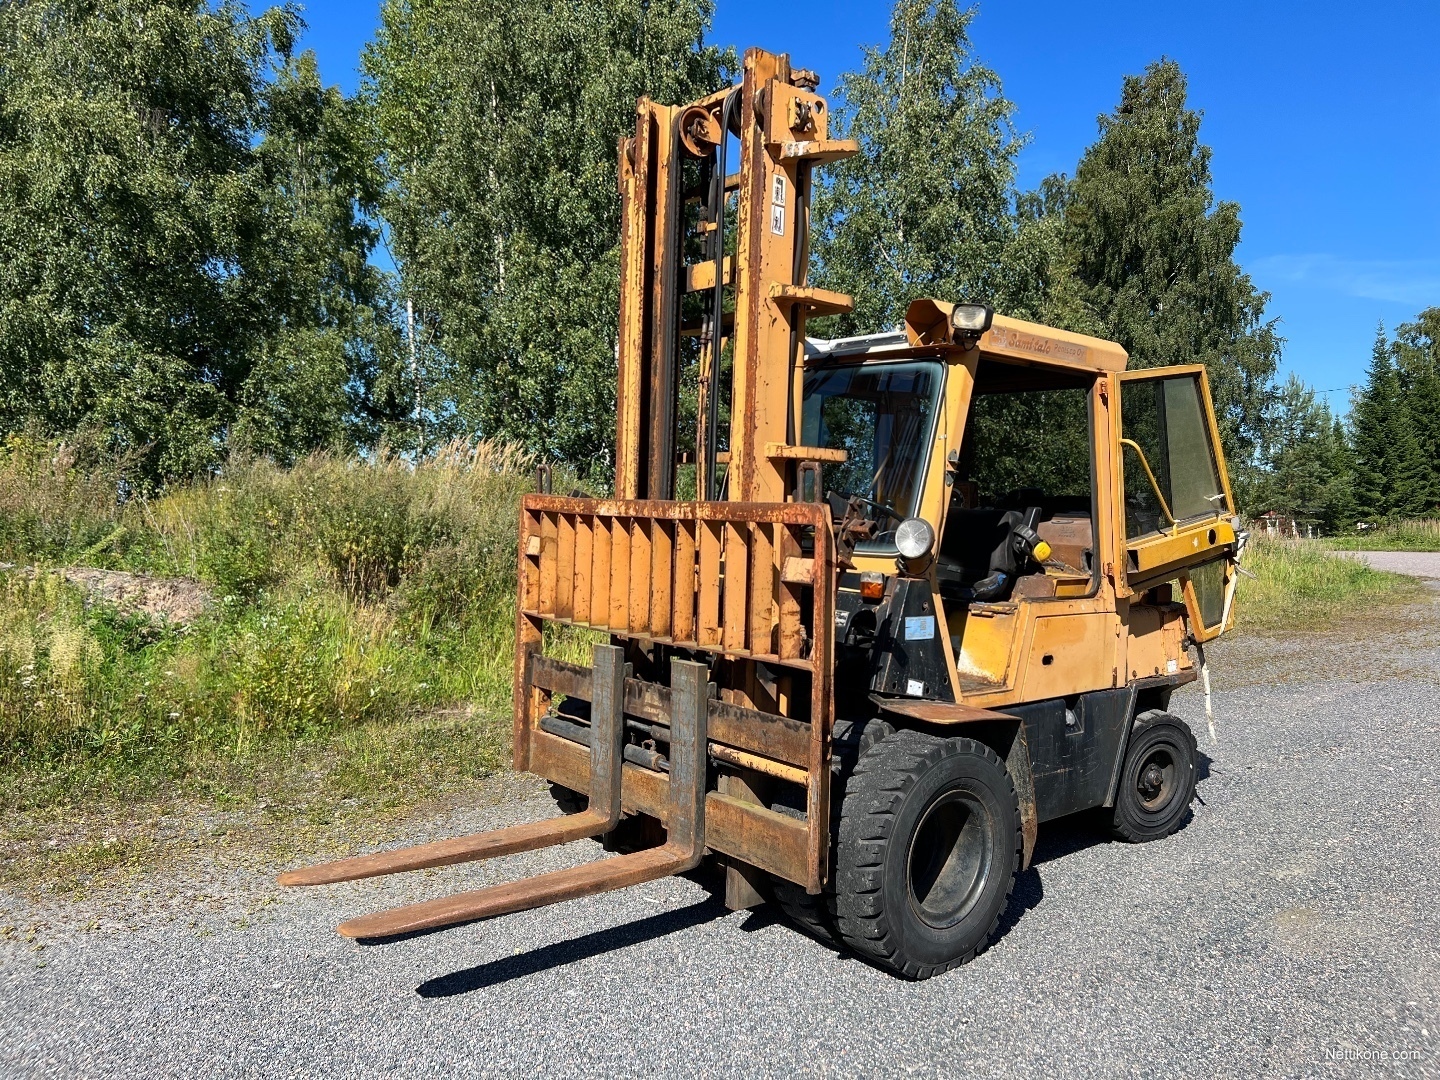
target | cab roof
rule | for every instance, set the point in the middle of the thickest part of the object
(1008, 341)
(1018, 341)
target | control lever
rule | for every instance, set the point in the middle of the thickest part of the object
(1028, 543)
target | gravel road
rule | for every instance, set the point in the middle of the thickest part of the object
(1291, 929)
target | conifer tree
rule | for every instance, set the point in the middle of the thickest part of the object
(1392, 477)
(1148, 257)
(1415, 352)
(1305, 470)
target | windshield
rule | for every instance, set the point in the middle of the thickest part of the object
(881, 415)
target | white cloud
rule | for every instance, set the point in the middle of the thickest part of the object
(1413, 282)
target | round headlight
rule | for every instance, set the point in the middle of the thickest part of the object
(914, 538)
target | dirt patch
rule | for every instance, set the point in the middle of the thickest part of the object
(178, 601)
(174, 601)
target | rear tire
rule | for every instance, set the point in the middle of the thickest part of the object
(929, 846)
(1157, 779)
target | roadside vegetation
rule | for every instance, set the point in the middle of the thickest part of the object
(1411, 534)
(332, 638)
(1298, 584)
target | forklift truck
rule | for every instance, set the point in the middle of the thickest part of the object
(866, 612)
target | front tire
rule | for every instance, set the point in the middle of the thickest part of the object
(1157, 779)
(929, 846)
(850, 740)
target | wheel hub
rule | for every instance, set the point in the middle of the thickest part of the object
(1150, 782)
(1155, 780)
(950, 858)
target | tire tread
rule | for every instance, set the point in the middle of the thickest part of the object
(873, 797)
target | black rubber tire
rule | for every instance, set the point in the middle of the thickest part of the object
(911, 799)
(806, 912)
(1157, 779)
(813, 914)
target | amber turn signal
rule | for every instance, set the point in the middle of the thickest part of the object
(872, 586)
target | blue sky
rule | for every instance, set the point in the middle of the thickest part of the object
(1324, 119)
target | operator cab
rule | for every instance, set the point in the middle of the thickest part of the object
(1034, 461)
(1020, 483)
(1020, 511)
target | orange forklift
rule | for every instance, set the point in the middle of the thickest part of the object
(851, 645)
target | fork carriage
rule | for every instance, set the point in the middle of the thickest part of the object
(747, 588)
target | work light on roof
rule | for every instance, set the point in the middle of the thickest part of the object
(971, 319)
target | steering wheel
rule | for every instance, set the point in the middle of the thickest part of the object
(888, 511)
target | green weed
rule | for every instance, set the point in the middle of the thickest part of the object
(1298, 583)
(351, 598)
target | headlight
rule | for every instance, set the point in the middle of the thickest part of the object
(914, 538)
(971, 318)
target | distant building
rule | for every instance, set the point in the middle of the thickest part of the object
(1276, 523)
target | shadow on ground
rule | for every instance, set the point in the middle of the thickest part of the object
(1056, 840)
(567, 952)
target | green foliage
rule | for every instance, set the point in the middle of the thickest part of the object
(1298, 583)
(1306, 470)
(1148, 260)
(499, 123)
(1134, 249)
(1395, 430)
(346, 593)
(54, 497)
(1415, 353)
(1039, 439)
(183, 233)
(927, 208)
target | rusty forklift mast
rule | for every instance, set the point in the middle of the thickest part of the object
(839, 618)
(725, 579)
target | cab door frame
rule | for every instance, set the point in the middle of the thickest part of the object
(1170, 553)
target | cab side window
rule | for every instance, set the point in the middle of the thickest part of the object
(1171, 474)
(1025, 468)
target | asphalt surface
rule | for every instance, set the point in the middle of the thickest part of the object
(1421, 564)
(1292, 928)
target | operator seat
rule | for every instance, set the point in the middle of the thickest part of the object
(978, 561)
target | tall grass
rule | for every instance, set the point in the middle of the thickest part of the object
(349, 597)
(55, 498)
(1414, 534)
(347, 594)
(1297, 583)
